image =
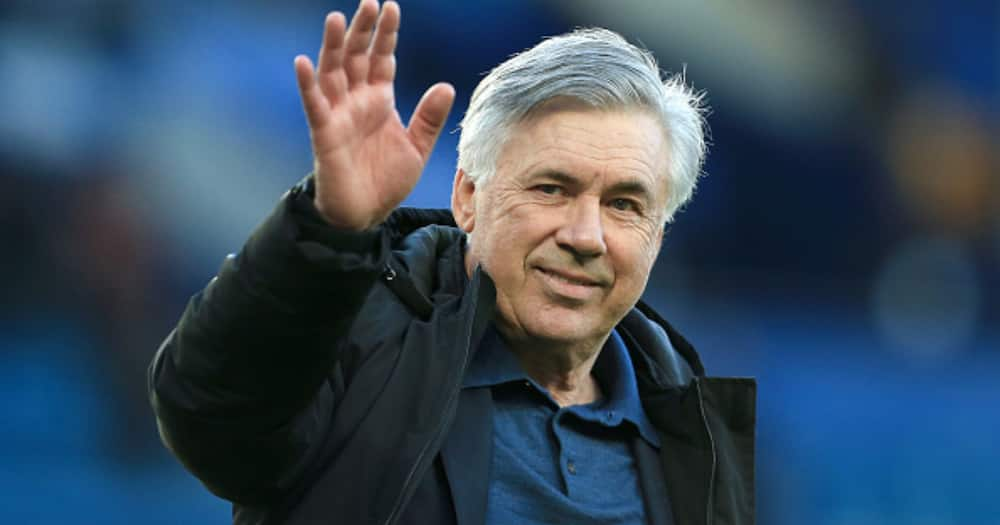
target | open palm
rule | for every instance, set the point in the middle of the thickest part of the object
(366, 161)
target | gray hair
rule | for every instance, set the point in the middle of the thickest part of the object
(599, 69)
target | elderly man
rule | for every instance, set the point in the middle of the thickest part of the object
(359, 363)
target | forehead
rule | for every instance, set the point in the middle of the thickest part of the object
(588, 143)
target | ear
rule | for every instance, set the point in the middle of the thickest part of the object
(463, 201)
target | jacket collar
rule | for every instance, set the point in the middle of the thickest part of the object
(669, 374)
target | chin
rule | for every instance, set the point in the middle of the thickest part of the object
(561, 327)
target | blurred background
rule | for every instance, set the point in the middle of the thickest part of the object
(844, 247)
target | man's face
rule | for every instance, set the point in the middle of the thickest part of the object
(571, 222)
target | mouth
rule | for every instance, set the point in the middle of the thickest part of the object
(569, 285)
(581, 280)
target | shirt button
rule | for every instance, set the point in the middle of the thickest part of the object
(571, 467)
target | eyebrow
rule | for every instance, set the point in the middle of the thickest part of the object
(628, 186)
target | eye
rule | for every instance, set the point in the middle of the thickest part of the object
(624, 205)
(549, 189)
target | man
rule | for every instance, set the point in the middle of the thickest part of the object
(358, 363)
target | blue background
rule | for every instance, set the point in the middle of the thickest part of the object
(844, 247)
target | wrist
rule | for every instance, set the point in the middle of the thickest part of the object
(339, 223)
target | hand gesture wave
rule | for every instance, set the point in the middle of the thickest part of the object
(366, 162)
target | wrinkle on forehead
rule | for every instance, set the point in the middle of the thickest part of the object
(558, 142)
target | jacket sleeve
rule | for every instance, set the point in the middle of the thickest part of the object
(239, 387)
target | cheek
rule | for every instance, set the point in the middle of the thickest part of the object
(636, 253)
(650, 251)
(499, 247)
(516, 235)
(651, 236)
(517, 225)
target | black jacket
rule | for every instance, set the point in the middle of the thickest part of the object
(317, 379)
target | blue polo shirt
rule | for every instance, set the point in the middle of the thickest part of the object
(556, 464)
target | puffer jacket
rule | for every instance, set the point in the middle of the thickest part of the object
(317, 379)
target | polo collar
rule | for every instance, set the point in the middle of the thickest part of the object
(493, 364)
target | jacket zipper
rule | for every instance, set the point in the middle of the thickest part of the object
(711, 442)
(408, 484)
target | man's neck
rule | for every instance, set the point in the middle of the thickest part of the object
(565, 373)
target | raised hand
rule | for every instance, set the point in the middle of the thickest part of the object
(366, 162)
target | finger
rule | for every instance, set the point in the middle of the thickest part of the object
(358, 37)
(331, 77)
(383, 62)
(429, 117)
(331, 55)
(313, 102)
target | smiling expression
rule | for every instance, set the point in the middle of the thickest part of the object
(570, 224)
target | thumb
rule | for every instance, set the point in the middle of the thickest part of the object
(429, 117)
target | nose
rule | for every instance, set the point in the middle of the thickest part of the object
(582, 232)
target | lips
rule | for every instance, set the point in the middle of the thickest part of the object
(568, 286)
(570, 277)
